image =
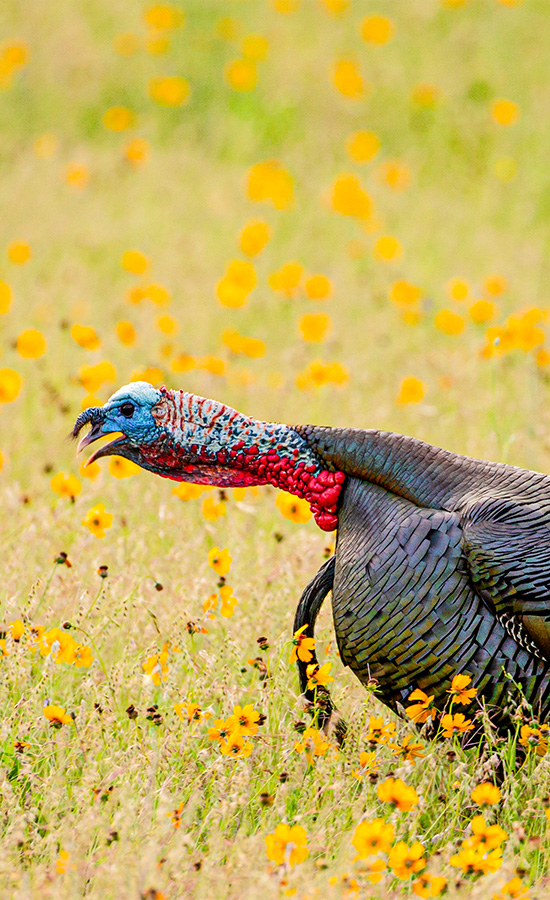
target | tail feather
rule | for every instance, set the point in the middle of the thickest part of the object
(310, 603)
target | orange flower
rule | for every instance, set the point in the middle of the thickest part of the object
(429, 885)
(85, 336)
(65, 485)
(486, 793)
(57, 716)
(287, 844)
(125, 332)
(449, 322)
(482, 311)
(220, 561)
(460, 691)
(120, 467)
(136, 151)
(269, 182)
(411, 390)
(5, 298)
(254, 237)
(395, 174)
(31, 344)
(237, 283)
(169, 91)
(314, 327)
(213, 509)
(371, 837)
(422, 710)
(318, 287)
(456, 723)
(458, 289)
(241, 74)
(377, 29)
(287, 279)
(402, 796)
(406, 750)
(379, 731)
(97, 520)
(495, 285)
(349, 198)
(405, 861)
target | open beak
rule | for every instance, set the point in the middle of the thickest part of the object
(96, 416)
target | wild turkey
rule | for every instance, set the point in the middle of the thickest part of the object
(442, 562)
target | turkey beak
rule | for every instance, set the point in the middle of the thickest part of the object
(95, 415)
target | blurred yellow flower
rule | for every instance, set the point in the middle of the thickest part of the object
(347, 79)
(314, 327)
(157, 294)
(372, 837)
(411, 390)
(318, 287)
(362, 146)
(483, 311)
(396, 174)
(505, 112)
(16, 629)
(93, 377)
(228, 601)
(169, 91)
(5, 298)
(269, 182)
(241, 74)
(401, 796)
(293, 508)
(85, 336)
(238, 343)
(254, 46)
(495, 285)
(157, 43)
(45, 146)
(10, 385)
(213, 509)
(319, 373)
(449, 322)
(134, 261)
(152, 374)
(164, 17)
(287, 844)
(254, 237)
(377, 29)
(405, 861)
(77, 176)
(57, 717)
(168, 325)
(335, 7)
(65, 485)
(455, 724)
(187, 491)
(287, 279)
(486, 794)
(183, 362)
(426, 94)
(119, 118)
(31, 344)
(121, 467)
(238, 281)
(19, 252)
(125, 332)
(458, 289)
(404, 293)
(387, 248)
(349, 198)
(286, 7)
(156, 668)
(97, 520)
(89, 470)
(219, 560)
(136, 151)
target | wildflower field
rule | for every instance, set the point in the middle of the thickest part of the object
(329, 211)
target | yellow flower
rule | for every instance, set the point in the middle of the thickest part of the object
(455, 723)
(85, 336)
(426, 94)
(449, 322)
(119, 118)
(16, 629)
(373, 837)
(120, 467)
(429, 885)
(193, 712)
(362, 146)
(163, 17)
(303, 646)
(367, 763)
(83, 656)
(347, 79)
(134, 261)
(402, 796)
(238, 281)
(405, 861)
(349, 198)
(318, 287)
(460, 691)
(228, 601)
(486, 793)
(513, 889)
(287, 279)
(536, 738)
(505, 112)
(482, 311)
(77, 176)
(293, 508)
(212, 509)
(458, 289)
(31, 344)
(169, 91)
(387, 248)
(244, 720)
(156, 44)
(65, 485)
(19, 253)
(168, 325)
(411, 390)
(336, 7)
(241, 74)
(235, 746)
(97, 520)
(5, 298)
(312, 743)
(314, 327)
(404, 293)
(406, 750)
(57, 716)
(157, 294)
(62, 861)
(187, 491)
(318, 676)
(156, 668)
(474, 861)
(286, 7)
(269, 182)
(379, 731)
(377, 29)
(219, 731)
(287, 844)
(254, 237)
(93, 377)
(495, 285)
(254, 46)
(422, 710)
(219, 560)
(319, 373)
(485, 837)
(10, 385)
(125, 332)
(395, 174)
(136, 151)
(89, 470)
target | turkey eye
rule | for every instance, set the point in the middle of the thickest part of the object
(127, 410)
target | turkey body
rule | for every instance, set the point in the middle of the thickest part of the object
(442, 566)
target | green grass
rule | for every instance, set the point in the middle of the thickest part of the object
(103, 789)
